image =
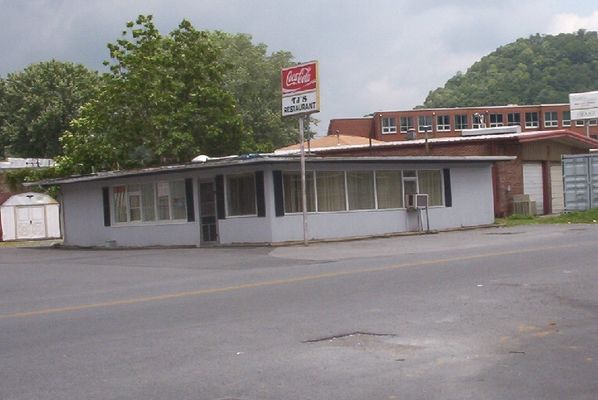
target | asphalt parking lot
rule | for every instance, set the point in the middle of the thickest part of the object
(483, 314)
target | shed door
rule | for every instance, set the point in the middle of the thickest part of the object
(532, 184)
(31, 222)
(556, 184)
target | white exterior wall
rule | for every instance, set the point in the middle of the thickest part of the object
(7, 217)
(84, 220)
(471, 190)
(472, 205)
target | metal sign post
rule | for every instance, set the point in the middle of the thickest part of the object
(303, 185)
(301, 97)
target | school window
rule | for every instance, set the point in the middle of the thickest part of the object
(389, 189)
(360, 190)
(389, 125)
(593, 122)
(240, 195)
(330, 186)
(566, 118)
(406, 124)
(424, 122)
(513, 119)
(551, 119)
(477, 121)
(579, 122)
(531, 120)
(293, 198)
(461, 122)
(443, 123)
(496, 120)
(149, 202)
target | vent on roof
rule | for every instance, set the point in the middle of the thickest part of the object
(499, 130)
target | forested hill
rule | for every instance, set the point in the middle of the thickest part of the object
(539, 69)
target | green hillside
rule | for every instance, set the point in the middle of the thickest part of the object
(539, 69)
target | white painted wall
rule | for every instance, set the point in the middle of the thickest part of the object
(84, 221)
(7, 217)
(472, 204)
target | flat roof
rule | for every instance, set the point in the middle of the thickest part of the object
(557, 134)
(258, 159)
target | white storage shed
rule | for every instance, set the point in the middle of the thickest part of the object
(28, 216)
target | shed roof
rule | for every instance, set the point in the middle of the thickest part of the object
(28, 199)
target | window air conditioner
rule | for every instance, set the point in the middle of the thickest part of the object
(414, 201)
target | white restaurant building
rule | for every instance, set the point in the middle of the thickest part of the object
(256, 199)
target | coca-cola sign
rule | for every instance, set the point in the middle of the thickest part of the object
(300, 78)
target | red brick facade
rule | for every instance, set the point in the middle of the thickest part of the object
(547, 148)
(444, 122)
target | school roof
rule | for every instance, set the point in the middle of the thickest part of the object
(560, 135)
(263, 159)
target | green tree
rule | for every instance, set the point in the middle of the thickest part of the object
(539, 69)
(164, 100)
(38, 103)
(253, 78)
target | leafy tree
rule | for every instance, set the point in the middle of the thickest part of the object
(539, 69)
(163, 101)
(253, 78)
(37, 104)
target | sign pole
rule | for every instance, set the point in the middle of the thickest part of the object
(303, 185)
(301, 97)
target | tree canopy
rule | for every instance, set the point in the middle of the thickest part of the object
(168, 98)
(37, 105)
(163, 101)
(539, 69)
(253, 78)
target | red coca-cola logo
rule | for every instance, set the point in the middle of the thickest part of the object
(299, 78)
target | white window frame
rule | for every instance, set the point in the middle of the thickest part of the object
(566, 121)
(403, 176)
(478, 121)
(511, 116)
(425, 119)
(443, 127)
(405, 127)
(532, 123)
(496, 124)
(139, 192)
(389, 125)
(313, 184)
(551, 119)
(459, 125)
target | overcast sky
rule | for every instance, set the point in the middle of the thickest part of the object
(374, 55)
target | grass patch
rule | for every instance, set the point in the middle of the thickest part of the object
(576, 217)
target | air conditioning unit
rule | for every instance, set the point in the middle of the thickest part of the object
(413, 201)
(522, 205)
